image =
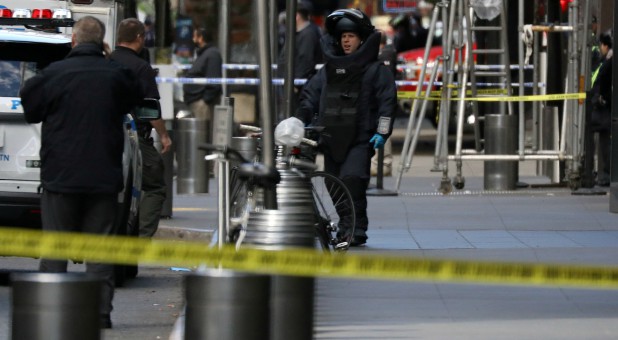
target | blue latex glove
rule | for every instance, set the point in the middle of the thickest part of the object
(378, 141)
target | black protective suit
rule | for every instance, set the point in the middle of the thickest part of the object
(350, 96)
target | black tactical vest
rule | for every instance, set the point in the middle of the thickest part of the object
(342, 90)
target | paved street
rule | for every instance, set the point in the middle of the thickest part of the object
(545, 224)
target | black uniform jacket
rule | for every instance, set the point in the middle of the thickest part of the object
(307, 53)
(81, 101)
(601, 97)
(144, 73)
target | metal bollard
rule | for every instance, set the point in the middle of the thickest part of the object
(192, 176)
(500, 139)
(291, 302)
(55, 306)
(246, 146)
(227, 305)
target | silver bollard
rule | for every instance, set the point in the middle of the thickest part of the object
(55, 306)
(246, 146)
(500, 139)
(227, 305)
(192, 176)
(292, 308)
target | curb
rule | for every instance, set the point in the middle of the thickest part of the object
(183, 234)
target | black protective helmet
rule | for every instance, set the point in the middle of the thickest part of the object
(349, 20)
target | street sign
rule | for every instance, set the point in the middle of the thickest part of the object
(398, 6)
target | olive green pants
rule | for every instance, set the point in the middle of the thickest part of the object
(153, 188)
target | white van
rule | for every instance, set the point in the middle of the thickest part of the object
(34, 33)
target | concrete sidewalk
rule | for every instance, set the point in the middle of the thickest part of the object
(538, 225)
(546, 224)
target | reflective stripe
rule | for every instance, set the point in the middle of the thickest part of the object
(595, 74)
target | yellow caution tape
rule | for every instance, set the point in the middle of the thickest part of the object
(543, 97)
(302, 262)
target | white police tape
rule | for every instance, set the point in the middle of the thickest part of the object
(253, 67)
(298, 82)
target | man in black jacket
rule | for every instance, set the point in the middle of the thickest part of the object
(202, 98)
(131, 37)
(307, 49)
(81, 102)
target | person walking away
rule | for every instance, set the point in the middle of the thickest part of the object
(355, 98)
(307, 50)
(130, 38)
(81, 102)
(601, 100)
(201, 98)
(388, 56)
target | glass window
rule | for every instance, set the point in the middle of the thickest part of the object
(12, 76)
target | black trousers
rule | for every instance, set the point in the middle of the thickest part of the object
(86, 213)
(354, 172)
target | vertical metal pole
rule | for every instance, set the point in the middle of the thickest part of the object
(273, 28)
(405, 152)
(573, 86)
(581, 51)
(613, 175)
(224, 45)
(290, 42)
(535, 91)
(223, 121)
(223, 201)
(265, 92)
(520, 53)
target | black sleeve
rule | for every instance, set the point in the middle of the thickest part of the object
(386, 95)
(310, 98)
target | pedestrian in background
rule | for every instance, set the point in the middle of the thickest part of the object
(201, 98)
(595, 56)
(307, 49)
(149, 39)
(281, 31)
(355, 97)
(601, 100)
(81, 102)
(403, 40)
(131, 36)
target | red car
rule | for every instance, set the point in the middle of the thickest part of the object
(410, 64)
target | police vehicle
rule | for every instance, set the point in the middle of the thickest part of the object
(33, 34)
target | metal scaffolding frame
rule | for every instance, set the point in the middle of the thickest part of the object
(457, 62)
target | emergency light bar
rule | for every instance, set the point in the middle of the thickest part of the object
(45, 17)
